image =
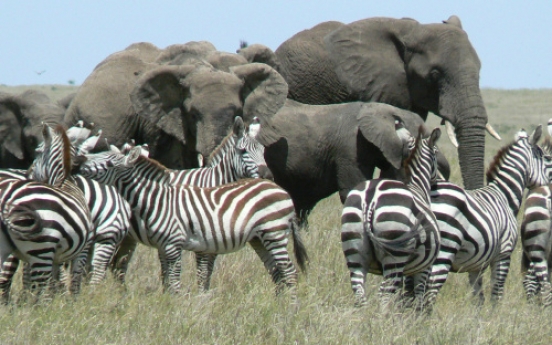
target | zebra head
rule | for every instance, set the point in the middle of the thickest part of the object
(52, 164)
(530, 157)
(99, 165)
(422, 160)
(249, 158)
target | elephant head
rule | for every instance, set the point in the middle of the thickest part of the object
(21, 117)
(197, 103)
(420, 67)
(259, 53)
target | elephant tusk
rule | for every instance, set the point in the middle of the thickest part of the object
(550, 127)
(451, 134)
(492, 132)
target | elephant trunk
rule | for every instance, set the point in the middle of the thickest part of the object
(467, 113)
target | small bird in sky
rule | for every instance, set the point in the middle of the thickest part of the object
(40, 72)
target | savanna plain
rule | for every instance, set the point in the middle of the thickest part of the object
(241, 307)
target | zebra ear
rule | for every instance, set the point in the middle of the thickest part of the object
(435, 135)
(133, 156)
(535, 136)
(46, 134)
(239, 127)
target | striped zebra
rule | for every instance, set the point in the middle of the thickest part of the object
(388, 227)
(214, 220)
(44, 224)
(479, 227)
(110, 212)
(238, 156)
(536, 238)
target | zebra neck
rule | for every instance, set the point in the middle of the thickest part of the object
(221, 151)
(221, 173)
(510, 180)
(420, 178)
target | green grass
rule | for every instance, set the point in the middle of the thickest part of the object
(241, 307)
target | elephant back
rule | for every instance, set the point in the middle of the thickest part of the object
(308, 47)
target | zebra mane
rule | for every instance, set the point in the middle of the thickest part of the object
(219, 151)
(406, 162)
(495, 165)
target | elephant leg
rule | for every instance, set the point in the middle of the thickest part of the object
(205, 264)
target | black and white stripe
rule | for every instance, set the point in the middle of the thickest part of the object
(205, 220)
(479, 227)
(44, 224)
(239, 156)
(388, 227)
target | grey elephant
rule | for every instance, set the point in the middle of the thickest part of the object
(314, 151)
(420, 67)
(180, 100)
(21, 116)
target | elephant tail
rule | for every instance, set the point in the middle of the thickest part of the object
(299, 248)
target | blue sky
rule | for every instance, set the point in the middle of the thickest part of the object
(66, 39)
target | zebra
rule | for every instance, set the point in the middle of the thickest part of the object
(238, 156)
(110, 212)
(44, 224)
(536, 238)
(388, 227)
(213, 220)
(479, 227)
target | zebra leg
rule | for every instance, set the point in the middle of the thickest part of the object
(78, 267)
(205, 264)
(392, 280)
(9, 267)
(122, 258)
(499, 273)
(530, 283)
(267, 260)
(103, 253)
(276, 259)
(41, 276)
(476, 282)
(171, 268)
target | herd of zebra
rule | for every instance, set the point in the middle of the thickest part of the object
(90, 210)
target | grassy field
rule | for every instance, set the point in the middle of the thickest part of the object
(241, 307)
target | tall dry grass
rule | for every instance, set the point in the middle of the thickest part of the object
(241, 307)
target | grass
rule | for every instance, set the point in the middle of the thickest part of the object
(241, 307)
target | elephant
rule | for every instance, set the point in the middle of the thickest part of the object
(181, 100)
(314, 151)
(21, 116)
(419, 67)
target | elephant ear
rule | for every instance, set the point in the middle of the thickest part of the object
(10, 127)
(259, 53)
(158, 96)
(264, 92)
(376, 122)
(369, 52)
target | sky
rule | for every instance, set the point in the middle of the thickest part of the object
(60, 42)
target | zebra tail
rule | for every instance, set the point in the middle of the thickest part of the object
(397, 244)
(525, 262)
(22, 219)
(298, 246)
